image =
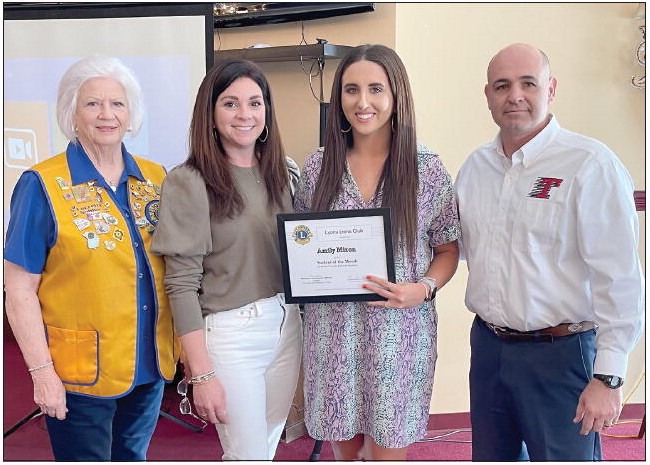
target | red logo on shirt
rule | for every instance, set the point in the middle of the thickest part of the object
(543, 186)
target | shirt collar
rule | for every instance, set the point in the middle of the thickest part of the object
(82, 169)
(535, 147)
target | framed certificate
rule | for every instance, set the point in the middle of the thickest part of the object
(326, 256)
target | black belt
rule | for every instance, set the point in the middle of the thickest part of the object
(540, 335)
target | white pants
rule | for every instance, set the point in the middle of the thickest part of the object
(256, 351)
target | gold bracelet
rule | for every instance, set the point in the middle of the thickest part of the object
(40, 367)
(204, 378)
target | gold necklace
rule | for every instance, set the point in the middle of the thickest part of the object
(111, 184)
(96, 161)
(251, 170)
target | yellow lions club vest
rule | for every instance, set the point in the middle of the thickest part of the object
(88, 287)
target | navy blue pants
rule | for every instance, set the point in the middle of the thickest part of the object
(98, 429)
(524, 394)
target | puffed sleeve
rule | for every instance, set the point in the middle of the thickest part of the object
(294, 175)
(183, 237)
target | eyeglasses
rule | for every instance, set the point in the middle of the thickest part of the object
(185, 405)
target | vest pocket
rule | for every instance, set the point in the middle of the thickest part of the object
(75, 354)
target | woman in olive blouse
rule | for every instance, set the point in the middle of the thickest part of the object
(217, 232)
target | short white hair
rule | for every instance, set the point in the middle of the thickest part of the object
(95, 67)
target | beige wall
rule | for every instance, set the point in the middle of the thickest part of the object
(297, 109)
(446, 48)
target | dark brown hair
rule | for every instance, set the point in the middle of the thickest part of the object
(207, 155)
(400, 173)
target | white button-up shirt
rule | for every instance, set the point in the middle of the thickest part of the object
(550, 236)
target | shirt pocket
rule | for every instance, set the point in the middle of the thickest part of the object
(75, 354)
(536, 227)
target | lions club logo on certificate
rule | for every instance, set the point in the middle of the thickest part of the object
(302, 234)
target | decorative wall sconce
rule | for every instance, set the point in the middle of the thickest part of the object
(639, 81)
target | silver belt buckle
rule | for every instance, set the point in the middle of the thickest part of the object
(575, 327)
(497, 329)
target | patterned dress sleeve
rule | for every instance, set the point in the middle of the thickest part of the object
(183, 236)
(438, 188)
(305, 191)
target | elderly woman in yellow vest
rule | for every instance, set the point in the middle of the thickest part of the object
(84, 295)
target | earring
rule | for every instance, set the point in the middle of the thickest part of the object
(215, 134)
(345, 131)
(265, 137)
(392, 123)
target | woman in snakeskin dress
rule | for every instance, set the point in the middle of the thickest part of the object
(369, 366)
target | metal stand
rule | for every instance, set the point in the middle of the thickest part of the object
(15, 428)
(184, 423)
(315, 453)
(37, 412)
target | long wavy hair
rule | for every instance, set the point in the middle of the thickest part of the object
(206, 153)
(400, 174)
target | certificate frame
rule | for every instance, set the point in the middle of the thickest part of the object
(313, 220)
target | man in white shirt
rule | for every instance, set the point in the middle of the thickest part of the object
(550, 235)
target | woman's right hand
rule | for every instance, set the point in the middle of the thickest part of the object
(49, 393)
(210, 401)
(26, 319)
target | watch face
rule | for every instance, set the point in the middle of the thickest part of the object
(610, 381)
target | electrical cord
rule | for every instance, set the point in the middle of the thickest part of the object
(310, 73)
(302, 26)
(636, 421)
(440, 437)
(218, 38)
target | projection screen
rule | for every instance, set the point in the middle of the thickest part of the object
(168, 47)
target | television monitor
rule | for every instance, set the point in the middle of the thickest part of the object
(240, 14)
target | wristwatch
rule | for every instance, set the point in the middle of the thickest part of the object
(433, 288)
(612, 382)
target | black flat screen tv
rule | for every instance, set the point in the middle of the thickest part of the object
(250, 14)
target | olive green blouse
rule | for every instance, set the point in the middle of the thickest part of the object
(215, 265)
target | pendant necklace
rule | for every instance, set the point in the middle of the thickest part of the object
(251, 170)
(112, 185)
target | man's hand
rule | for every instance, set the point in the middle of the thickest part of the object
(598, 407)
